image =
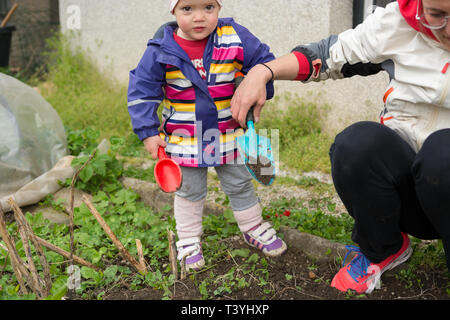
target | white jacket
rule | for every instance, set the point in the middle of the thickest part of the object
(417, 100)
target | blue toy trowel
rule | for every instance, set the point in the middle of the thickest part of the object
(256, 150)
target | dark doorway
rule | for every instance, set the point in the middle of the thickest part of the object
(360, 7)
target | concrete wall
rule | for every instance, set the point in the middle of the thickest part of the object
(115, 33)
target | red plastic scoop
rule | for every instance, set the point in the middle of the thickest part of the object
(167, 172)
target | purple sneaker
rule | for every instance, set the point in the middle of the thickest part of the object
(265, 238)
(191, 248)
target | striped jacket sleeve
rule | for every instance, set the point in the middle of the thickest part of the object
(145, 93)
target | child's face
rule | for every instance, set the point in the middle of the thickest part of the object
(196, 18)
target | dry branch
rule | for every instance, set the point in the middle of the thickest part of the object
(9, 15)
(28, 273)
(20, 270)
(183, 268)
(4, 247)
(66, 254)
(72, 187)
(20, 218)
(35, 279)
(172, 253)
(123, 251)
(44, 262)
(141, 255)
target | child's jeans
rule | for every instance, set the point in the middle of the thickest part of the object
(236, 182)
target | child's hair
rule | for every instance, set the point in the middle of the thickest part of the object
(173, 3)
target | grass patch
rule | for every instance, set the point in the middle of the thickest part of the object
(302, 144)
(82, 96)
(313, 221)
(307, 183)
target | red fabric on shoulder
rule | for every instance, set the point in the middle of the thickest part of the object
(408, 9)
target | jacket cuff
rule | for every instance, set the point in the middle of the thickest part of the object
(145, 133)
(305, 66)
(270, 90)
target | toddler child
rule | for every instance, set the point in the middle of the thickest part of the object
(190, 67)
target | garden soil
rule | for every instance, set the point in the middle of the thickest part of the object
(305, 281)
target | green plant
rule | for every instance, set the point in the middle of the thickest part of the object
(160, 281)
(101, 173)
(20, 75)
(302, 144)
(431, 255)
(408, 276)
(139, 173)
(82, 140)
(130, 145)
(57, 204)
(336, 228)
(129, 219)
(203, 289)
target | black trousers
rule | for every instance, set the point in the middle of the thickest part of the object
(388, 188)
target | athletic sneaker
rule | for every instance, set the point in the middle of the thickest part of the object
(364, 276)
(265, 238)
(191, 248)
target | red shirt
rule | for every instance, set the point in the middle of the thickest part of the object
(194, 49)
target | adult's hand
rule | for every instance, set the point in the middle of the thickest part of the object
(251, 92)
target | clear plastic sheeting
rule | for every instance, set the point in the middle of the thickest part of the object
(37, 189)
(32, 136)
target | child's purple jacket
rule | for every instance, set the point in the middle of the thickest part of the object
(197, 122)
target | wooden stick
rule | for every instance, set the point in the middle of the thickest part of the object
(112, 236)
(172, 253)
(9, 15)
(72, 187)
(66, 254)
(4, 247)
(45, 266)
(44, 263)
(183, 268)
(141, 255)
(18, 266)
(35, 279)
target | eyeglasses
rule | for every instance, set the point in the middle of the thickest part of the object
(434, 21)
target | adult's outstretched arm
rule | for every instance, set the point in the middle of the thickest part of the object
(252, 90)
(357, 51)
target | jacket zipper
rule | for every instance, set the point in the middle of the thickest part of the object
(442, 98)
(207, 59)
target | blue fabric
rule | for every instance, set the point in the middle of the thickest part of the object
(358, 265)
